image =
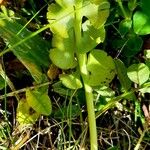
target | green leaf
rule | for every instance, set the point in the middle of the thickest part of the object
(122, 75)
(104, 91)
(101, 68)
(141, 19)
(147, 54)
(2, 83)
(71, 81)
(62, 55)
(125, 26)
(62, 14)
(141, 23)
(30, 52)
(39, 101)
(25, 115)
(145, 88)
(131, 49)
(63, 113)
(90, 35)
(138, 73)
(59, 88)
(99, 13)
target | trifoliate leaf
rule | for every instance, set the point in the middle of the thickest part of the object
(138, 73)
(101, 68)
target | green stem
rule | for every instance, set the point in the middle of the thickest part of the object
(82, 60)
(122, 9)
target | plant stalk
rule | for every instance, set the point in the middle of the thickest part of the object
(82, 61)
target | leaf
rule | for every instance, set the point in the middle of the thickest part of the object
(63, 113)
(2, 83)
(141, 19)
(62, 14)
(104, 91)
(63, 53)
(101, 68)
(147, 54)
(25, 115)
(30, 52)
(131, 49)
(138, 73)
(125, 26)
(122, 74)
(39, 101)
(90, 35)
(71, 81)
(59, 88)
(141, 23)
(145, 88)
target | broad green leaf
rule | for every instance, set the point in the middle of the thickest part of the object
(39, 101)
(131, 49)
(99, 13)
(71, 81)
(141, 19)
(63, 53)
(30, 52)
(122, 74)
(141, 23)
(62, 14)
(90, 35)
(25, 115)
(138, 73)
(61, 17)
(101, 68)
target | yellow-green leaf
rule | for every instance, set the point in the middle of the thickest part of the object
(39, 101)
(101, 68)
(25, 115)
